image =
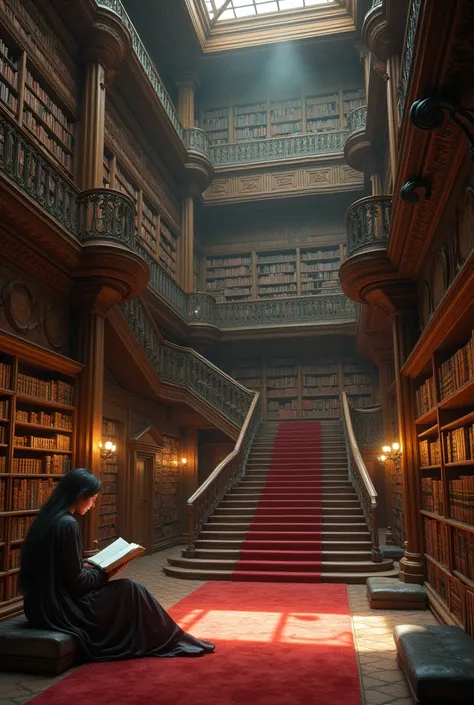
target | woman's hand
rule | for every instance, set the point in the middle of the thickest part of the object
(114, 572)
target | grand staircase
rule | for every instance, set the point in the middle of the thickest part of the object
(294, 517)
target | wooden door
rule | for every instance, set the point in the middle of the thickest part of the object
(142, 504)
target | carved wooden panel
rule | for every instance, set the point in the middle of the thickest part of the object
(33, 312)
(167, 485)
(268, 184)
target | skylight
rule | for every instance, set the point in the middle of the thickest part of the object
(219, 10)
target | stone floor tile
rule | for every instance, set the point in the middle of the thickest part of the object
(373, 697)
(396, 690)
(371, 682)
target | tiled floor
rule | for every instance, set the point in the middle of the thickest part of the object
(382, 682)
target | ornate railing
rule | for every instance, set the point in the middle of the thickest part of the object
(357, 119)
(25, 165)
(183, 367)
(196, 140)
(144, 59)
(368, 427)
(279, 148)
(368, 223)
(308, 309)
(106, 214)
(202, 308)
(226, 474)
(408, 52)
(360, 479)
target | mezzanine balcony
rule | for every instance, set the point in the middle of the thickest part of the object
(357, 147)
(368, 224)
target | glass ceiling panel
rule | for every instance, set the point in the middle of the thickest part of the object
(219, 10)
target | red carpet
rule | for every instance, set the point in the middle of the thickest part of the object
(287, 646)
(283, 543)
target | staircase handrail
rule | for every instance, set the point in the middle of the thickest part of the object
(360, 479)
(229, 470)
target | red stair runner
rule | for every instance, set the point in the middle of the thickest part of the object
(283, 543)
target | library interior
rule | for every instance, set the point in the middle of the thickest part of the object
(237, 285)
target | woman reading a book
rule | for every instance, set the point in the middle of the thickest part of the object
(112, 620)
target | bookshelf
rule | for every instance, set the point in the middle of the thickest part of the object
(37, 424)
(444, 397)
(298, 114)
(216, 123)
(166, 492)
(276, 275)
(249, 373)
(282, 388)
(320, 394)
(359, 385)
(319, 269)
(230, 277)
(168, 249)
(250, 121)
(109, 493)
(26, 95)
(149, 227)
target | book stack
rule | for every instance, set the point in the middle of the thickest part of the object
(437, 540)
(5, 376)
(464, 552)
(432, 495)
(458, 370)
(425, 397)
(461, 499)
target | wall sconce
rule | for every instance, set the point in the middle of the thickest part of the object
(184, 461)
(392, 452)
(107, 450)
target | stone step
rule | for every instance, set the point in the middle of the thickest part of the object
(236, 545)
(279, 528)
(250, 511)
(287, 555)
(282, 566)
(324, 504)
(286, 519)
(353, 578)
(343, 533)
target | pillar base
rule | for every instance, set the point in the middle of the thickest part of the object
(412, 568)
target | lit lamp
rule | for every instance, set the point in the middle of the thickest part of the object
(184, 461)
(392, 452)
(107, 450)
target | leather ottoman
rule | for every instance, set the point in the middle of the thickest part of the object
(437, 662)
(34, 650)
(391, 594)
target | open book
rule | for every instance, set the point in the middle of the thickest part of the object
(120, 551)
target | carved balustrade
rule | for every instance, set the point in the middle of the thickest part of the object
(106, 214)
(278, 148)
(196, 140)
(368, 223)
(357, 119)
(368, 427)
(360, 479)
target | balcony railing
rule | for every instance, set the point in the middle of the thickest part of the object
(408, 52)
(368, 223)
(144, 59)
(109, 214)
(360, 479)
(196, 140)
(302, 146)
(357, 119)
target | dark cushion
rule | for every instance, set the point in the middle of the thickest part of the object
(389, 589)
(44, 650)
(438, 663)
(394, 552)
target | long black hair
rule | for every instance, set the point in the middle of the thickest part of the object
(77, 484)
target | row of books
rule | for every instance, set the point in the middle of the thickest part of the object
(430, 452)
(464, 552)
(249, 133)
(14, 561)
(321, 404)
(250, 119)
(36, 128)
(49, 390)
(46, 116)
(3, 491)
(288, 405)
(44, 418)
(281, 268)
(459, 444)
(432, 497)
(286, 128)
(322, 267)
(48, 465)
(6, 95)
(437, 540)
(3, 434)
(20, 526)
(282, 392)
(458, 370)
(31, 494)
(425, 396)
(56, 442)
(282, 414)
(5, 376)
(461, 499)
(3, 463)
(4, 408)
(321, 390)
(45, 99)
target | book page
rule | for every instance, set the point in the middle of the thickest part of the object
(110, 553)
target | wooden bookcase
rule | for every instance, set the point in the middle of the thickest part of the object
(444, 394)
(216, 123)
(149, 226)
(309, 271)
(167, 482)
(37, 426)
(359, 384)
(109, 494)
(296, 388)
(302, 114)
(168, 249)
(230, 277)
(27, 96)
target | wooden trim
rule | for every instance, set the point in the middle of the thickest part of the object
(36, 355)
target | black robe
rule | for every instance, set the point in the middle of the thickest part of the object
(112, 620)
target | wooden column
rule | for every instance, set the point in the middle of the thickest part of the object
(412, 569)
(90, 348)
(384, 377)
(393, 82)
(186, 117)
(93, 127)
